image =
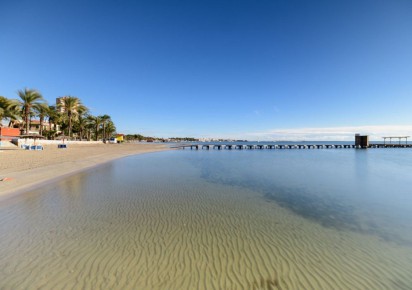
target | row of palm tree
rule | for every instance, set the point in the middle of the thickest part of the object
(69, 114)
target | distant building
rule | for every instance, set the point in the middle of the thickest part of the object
(362, 140)
(120, 138)
(60, 104)
(34, 127)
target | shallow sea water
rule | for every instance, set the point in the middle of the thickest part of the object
(218, 219)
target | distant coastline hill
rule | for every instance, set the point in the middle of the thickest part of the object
(140, 138)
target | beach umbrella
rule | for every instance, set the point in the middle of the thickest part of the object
(62, 137)
(32, 136)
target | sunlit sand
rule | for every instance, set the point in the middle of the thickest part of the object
(140, 223)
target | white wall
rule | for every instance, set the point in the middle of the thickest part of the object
(55, 142)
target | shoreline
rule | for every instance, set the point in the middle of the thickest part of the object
(23, 170)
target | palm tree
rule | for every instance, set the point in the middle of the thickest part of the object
(42, 110)
(82, 120)
(9, 109)
(71, 107)
(95, 121)
(4, 103)
(89, 128)
(4, 108)
(29, 98)
(55, 117)
(81, 125)
(110, 128)
(104, 119)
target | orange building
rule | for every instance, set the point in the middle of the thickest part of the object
(9, 132)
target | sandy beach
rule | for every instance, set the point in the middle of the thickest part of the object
(22, 169)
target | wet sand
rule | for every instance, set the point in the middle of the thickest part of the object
(22, 169)
(170, 230)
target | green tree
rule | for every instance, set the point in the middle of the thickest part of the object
(89, 127)
(55, 118)
(7, 110)
(104, 120)
(71, 106)
(42, 110)
(95, 121)
(28, 99)
(4, 105)
(110, 129)
(80, 125)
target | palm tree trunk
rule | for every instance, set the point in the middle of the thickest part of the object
(27, 113)
(41, 125)
(70, 125)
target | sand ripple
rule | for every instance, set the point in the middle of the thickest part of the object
(171, 233)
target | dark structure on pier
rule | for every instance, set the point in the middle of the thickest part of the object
(361, 141)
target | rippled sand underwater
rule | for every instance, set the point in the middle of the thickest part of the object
(151, 222)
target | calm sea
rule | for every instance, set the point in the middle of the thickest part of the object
(217, 219)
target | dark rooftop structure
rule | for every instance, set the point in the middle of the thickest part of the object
(361, 141)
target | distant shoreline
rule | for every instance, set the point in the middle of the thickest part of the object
(22, 170)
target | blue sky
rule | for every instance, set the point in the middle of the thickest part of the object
(240, 69)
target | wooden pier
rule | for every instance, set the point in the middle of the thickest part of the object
(361, 142)
(285, 146)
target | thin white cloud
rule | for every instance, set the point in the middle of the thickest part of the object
(329, 133)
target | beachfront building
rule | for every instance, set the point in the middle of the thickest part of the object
(34, 127)
(60, 104)
(46, 126)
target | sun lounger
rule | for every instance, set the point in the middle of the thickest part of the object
(35, 147)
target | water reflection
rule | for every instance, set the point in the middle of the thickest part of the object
(356, 190)
(150, 222)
